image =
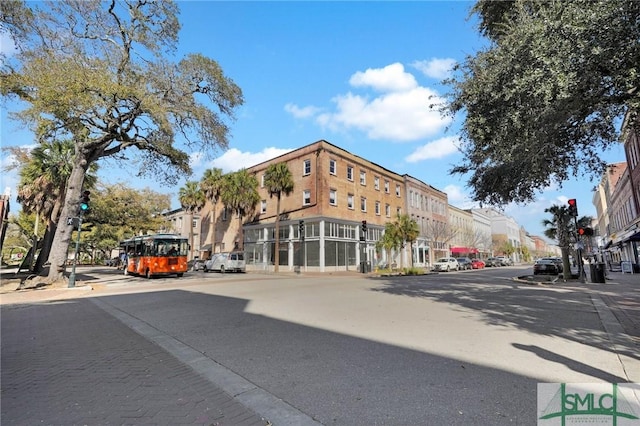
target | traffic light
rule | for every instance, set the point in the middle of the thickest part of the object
(587, 232)
(84, 201)
(301, 229)
(364, 227)
(573, 207)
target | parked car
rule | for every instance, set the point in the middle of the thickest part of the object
(224, 262)
(464, 263)
(546, 266)
(505, 260)
(446, 264)
(556, 260)
(196, 264)
(477, 264)
(493, 261)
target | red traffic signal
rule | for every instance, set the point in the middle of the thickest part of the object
(573, 207)
(585, 231)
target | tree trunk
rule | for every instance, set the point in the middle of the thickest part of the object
(212, 225)
(240, 233)
(64, 232)
(47, 240)
(191, 234)
(276, 265)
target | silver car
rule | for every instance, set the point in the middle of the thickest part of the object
(224, 262)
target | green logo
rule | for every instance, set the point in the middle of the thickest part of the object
(591, 403)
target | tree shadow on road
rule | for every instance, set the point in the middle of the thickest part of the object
(547, 311)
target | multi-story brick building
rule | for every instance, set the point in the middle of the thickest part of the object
(428, 207)
(334, 192)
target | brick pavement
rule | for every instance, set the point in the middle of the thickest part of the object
(70, 362)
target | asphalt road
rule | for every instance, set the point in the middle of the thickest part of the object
(451, 348)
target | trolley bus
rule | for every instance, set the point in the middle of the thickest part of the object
(155, 255)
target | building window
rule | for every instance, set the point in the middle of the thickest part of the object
(332, 167)
(194, 223)
(306, 197)
(263, 206)
(333, 197)
(397, 190)
(378, 208)
(350, 173)
(307, 167)
(262, 182)
(387, 210)
(363, 177)
(411, 198)
(376, 183)
(350, 201)
(386, 186)
(363, 204)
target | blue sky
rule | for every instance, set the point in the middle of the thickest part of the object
(358, 74)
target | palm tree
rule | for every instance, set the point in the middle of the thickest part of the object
(390, 240)
(559, 228)
(211, 184)
(408, 231)
(278, 180)
(192, 200)
(42, 188)
(240, 195)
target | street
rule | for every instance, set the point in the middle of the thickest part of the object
(451, 348)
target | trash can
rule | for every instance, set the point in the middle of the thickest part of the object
(365, 267)
(597, 272)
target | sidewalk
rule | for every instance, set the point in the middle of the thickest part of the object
(73, 363)
(621, 293)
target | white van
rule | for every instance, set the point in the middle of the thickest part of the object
(224, 262)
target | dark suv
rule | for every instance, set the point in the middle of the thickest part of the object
(465, 263)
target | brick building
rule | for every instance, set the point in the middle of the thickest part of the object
(334, 192)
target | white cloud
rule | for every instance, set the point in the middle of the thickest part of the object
(435, 68)
(298, 112)
(403, 112)
(437, 149)
(397, 116)
(234, 159)
(391, 78)
(457, 197)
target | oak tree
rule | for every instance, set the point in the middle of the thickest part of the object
(103, 74)
(544, 99)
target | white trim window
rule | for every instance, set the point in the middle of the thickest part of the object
(378, 208)
(386, 186)
(333, 166)
(333, 197)
(350, 201)
(350, 173)
(263, 206)
(306, 168)
(397, 190)
(363, 177)
(387, 210)
(306, 197)
(363, 204)
(376, 183)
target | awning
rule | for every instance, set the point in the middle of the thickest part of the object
(461, 250)
(206, 247)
